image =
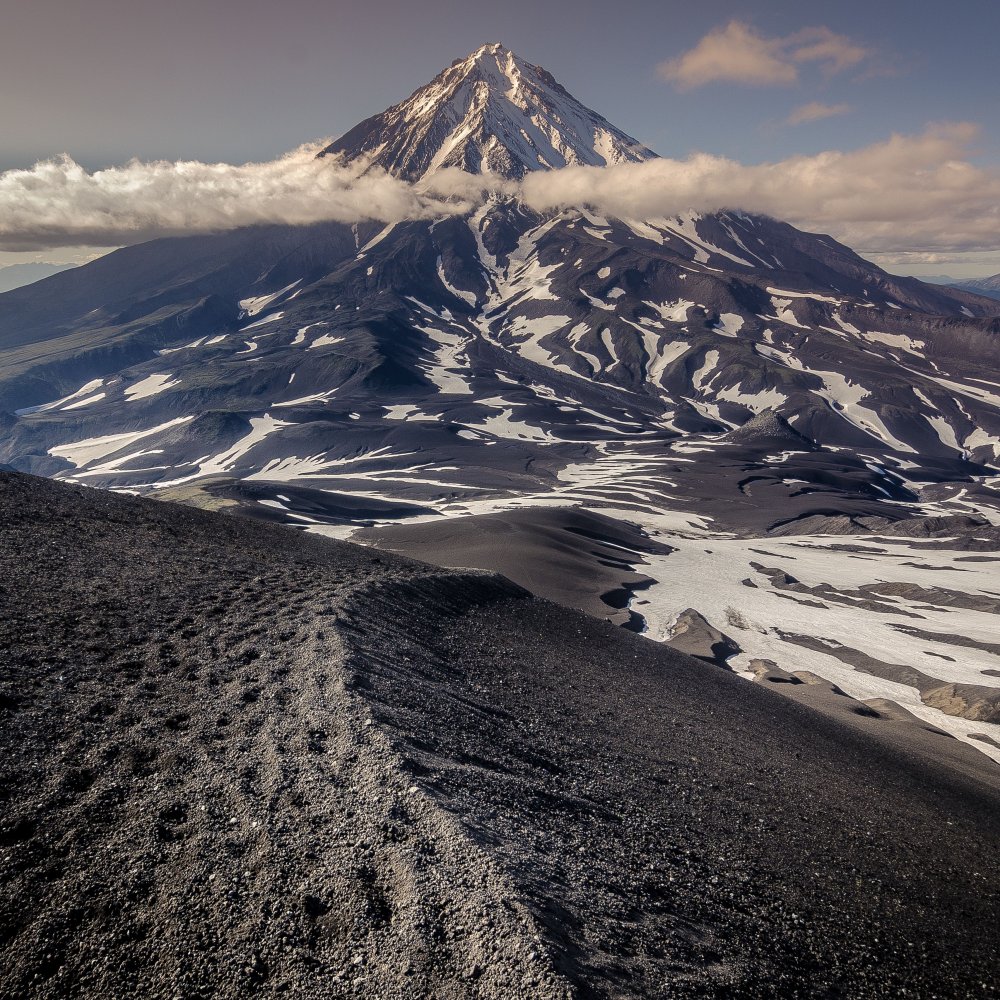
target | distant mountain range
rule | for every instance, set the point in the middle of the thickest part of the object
(15, 275)
(990, 287)
(981, 286)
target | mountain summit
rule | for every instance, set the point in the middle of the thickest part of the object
(491, 112)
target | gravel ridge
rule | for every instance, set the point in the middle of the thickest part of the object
(194, 803)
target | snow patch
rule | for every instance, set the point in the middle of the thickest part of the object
(151, 385)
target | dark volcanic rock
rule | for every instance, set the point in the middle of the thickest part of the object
(961, 531)
(694, 635)
(769, 430)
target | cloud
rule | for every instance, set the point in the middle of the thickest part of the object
(913, 193)
(738, 53)
(58, 203)
(815, 111)
(735, 52)
(833, 52)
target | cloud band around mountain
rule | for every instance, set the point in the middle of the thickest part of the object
(57, 202)
(908, 193)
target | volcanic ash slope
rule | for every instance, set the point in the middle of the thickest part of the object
(242, 761)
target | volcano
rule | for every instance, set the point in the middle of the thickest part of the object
(705, 375)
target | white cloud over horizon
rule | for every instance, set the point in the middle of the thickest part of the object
(907, 194)
(738, 53)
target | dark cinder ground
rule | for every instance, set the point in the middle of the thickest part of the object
(238, 761)
(571, 556)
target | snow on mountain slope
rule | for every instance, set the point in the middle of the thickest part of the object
(490, 112)
(533, 341)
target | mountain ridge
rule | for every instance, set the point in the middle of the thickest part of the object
(989, 286)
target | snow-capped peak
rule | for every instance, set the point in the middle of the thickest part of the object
(491, 112)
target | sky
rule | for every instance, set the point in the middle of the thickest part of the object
(232, 82)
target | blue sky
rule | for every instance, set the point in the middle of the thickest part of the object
(237, 81)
